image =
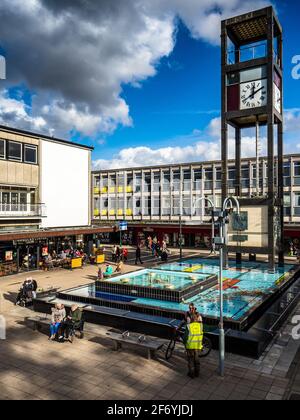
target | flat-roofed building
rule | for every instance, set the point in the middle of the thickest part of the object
(152, 199)
(45, 196)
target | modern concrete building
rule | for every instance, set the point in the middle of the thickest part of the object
(153, 199)
(45, 195)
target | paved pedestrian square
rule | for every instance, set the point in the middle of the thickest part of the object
(33, 368)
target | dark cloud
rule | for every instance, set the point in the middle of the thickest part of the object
(75, 55)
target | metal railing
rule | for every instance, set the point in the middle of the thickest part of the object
(22, 210)
(247, 53)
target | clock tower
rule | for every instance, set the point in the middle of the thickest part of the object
(252, 99)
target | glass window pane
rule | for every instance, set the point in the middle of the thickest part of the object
(231, 174)
(287, 169)
(147, 206)
(297, 169)
(253, 74)
(30, 154)
(15, 151)
(287, 200)
(2, 149)
(297, 199)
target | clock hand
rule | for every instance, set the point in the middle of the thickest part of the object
(258, 91)
(253, 94)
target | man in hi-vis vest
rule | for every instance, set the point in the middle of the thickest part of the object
(193, 340)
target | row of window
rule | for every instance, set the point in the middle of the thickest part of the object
(119, 183)
(16, 196)
(18, 152)
(165, 206)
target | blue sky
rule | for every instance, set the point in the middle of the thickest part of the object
(185, 94)
(150, 96)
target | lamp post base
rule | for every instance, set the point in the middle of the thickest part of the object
(222, 353)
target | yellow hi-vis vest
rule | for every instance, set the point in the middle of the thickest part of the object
(195, 338)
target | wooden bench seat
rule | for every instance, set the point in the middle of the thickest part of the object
(42, 323)
(136, 340)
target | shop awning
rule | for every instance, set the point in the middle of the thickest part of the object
(52, 233)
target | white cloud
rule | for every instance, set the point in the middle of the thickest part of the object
(197, 152)
(292, 120)
(75, 56)
(202, 146)
(203, 17)
(14, 111)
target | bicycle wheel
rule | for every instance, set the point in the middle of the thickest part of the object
(207, 347)
(170, 349)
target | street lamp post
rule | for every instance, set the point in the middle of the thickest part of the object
(180, 224)
(221, 241)
(223, 222)
(180, 236)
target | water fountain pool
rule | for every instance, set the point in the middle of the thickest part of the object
(168, 289)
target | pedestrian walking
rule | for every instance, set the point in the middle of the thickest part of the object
(114, 254)
(138, 255)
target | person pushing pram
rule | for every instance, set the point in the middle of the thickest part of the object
(27, 292)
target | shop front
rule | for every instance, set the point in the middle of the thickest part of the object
(192, 237)
(23, 254)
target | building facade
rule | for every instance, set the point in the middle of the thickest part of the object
(154, 199)
(45, 196)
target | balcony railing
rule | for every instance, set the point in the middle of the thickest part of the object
(22, 210)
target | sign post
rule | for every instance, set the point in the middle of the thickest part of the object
(123, 227)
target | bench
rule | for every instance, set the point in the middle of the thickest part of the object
(136, 340)
(43, 323)
(39, 323)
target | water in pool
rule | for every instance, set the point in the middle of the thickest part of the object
(160, 279)
(244, 289)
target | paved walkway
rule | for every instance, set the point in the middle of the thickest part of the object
(33, 368)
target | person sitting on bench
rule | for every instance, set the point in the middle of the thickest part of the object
(73, 322)
(109, 271)
(58, 315)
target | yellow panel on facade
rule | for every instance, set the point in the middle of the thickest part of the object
(96, 212)
(120, 189)
(96, 190)
(129, 189)
(112, 189)
(129, 212)
(104, 213)
(120, 212)
(112, 212)
(76, 263)
(104, 190)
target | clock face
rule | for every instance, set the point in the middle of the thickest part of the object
(253, 94)
(277, 98)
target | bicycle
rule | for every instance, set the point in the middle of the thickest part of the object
(178, 338)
